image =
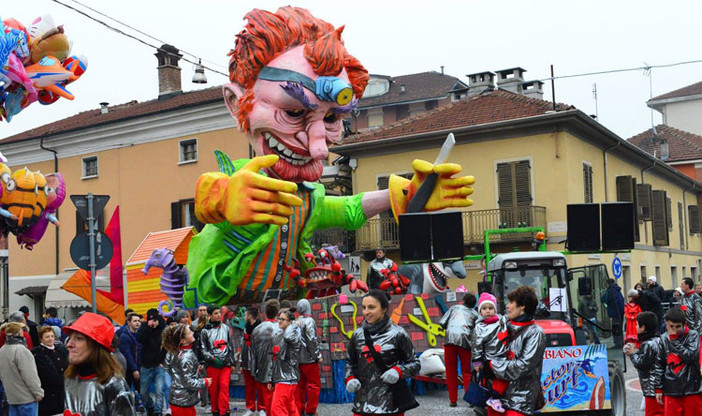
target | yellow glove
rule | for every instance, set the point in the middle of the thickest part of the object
(245, 197)
(449, 192)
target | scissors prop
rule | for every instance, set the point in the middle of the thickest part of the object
(432, 329)
(348, 333)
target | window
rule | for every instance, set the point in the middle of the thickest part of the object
(514, 193)
(375, 118)
(693, 273)
(375, 88)
(659, 205)
(183, 215)
(587, 182)
(643, 193)
(693, 212)
(681, 226)
(188, 151)
(674, 275)
(90, 167)
(669, 213)
(626, 192)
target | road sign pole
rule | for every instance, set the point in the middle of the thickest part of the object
(91, 236)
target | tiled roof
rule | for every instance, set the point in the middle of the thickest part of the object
(422, 86)
(170, 239)
(682, 145)
(132, 109)
(694, 89)
(487, 107)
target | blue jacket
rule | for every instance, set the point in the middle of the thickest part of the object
(615, 302)
(131, 349)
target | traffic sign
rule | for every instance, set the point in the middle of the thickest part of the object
(617, 267)
(81, 203)
(80, 250)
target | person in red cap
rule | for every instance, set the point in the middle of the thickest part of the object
(93, 380)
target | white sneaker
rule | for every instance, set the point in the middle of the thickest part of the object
(248, 412)
(261, 413)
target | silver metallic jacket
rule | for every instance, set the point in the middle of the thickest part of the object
(691, 304)
(215, 342)
(397, 350)
(486, 343)
(310, 352)
(286, 351)
(647, 362)
(262, 351)
(458, 322)
(524, 371)
(90, 398)
(680, 363)
(186, 381)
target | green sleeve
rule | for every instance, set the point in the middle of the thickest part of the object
(342, 211)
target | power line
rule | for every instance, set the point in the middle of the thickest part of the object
(121, 32)
(612, 71)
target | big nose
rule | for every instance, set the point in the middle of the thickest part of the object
(315, 138)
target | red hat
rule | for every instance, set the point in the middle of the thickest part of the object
(94, 326)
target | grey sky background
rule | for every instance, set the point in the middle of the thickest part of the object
(397, 38)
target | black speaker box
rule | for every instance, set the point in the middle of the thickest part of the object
(617, 226)
(415, 237)
(447, 235)
(583, 227)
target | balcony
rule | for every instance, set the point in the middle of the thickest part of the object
(384, 231)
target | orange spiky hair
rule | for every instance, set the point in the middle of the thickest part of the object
(267, 35)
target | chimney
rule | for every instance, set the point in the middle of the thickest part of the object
(480, 82)
(442, 70)
(533, 89)
(665, 151)
(511, 79)
(168, 71)
(103, 107)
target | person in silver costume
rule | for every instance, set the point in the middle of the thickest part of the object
(182, 364)
(371, 387)
(309, 384)
(261, 354)
(522, 365)
(458, 322)
(645, 359)
(93, 382)
(287, 341)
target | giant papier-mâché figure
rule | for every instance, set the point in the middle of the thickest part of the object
(292, 82)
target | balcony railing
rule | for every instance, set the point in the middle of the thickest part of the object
(385, 232)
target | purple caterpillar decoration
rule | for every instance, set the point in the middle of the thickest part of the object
(174, 278)
(55, 194)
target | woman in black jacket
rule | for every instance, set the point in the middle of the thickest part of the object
(51, 362)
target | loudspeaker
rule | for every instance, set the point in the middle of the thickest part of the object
(447, 235)
(583, 227)
(415, 237)
(617, 226)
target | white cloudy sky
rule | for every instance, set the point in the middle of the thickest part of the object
(396, 38)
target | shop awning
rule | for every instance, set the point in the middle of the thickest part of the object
(32, 290)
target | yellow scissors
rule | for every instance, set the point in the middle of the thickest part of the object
(432, 329)
(353, 319)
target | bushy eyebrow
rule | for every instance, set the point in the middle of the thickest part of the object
(296, 91)
(345, 109)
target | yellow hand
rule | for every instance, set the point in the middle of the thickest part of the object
(246, 197)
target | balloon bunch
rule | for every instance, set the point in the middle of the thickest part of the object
(35, 64)
(28, 202)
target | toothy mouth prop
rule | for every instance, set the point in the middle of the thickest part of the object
(284, 152)
(438, 277)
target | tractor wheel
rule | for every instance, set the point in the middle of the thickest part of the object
(617, 390)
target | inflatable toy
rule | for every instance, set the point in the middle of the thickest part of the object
(55, 194)
(174, 278)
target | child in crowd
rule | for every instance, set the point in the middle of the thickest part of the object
(646, 359)
(680, 384)
(631, 310)
(490, 340)
(182, 364)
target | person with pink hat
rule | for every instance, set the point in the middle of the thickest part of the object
(490, 340)
(93, 379)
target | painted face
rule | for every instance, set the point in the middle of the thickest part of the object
(514, 310)
(295, 125)
(487, 310)
(47, 338)
(372, 310)
(78, 349)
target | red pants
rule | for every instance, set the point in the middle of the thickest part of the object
(451, 355)
(653, 408)
(682, 406)
(265, 397)
(500, 386)
(183, 411)
(250, 388)
(284, 400)
(508, 412)
(219, 389)
(308, 388)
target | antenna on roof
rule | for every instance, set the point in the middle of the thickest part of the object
(594, 95)
(648, 72)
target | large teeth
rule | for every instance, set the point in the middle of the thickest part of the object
(285, 153)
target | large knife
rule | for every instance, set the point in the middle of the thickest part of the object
(419, 200)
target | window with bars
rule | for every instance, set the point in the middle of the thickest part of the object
(188, 150)
(587, 182)
(659, 205)
(183, 215)
(693, 213)
(514, 193)
(643, 193)
(90, 167)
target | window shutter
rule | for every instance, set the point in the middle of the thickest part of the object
(681, 226)
(625, 193)
(522, 183)
(643, 192)
(383, 182)
(669, 213)
(176, 221)
(587, 183)
(504, 183)
(660, 218)
(693, 212)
